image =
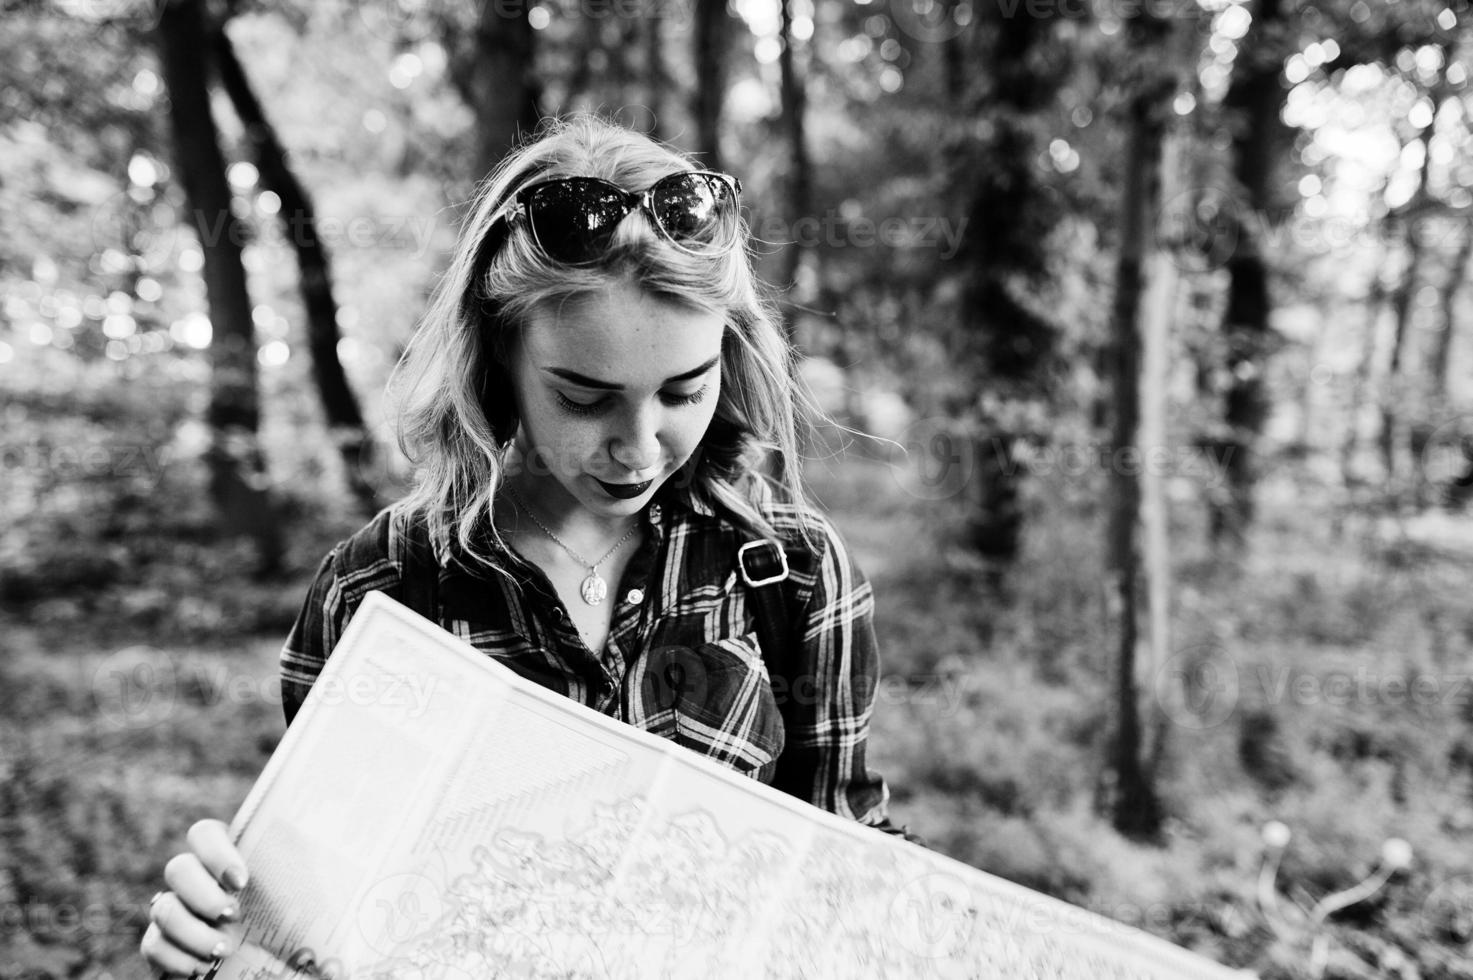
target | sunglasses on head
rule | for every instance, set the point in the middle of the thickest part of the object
(573, 219)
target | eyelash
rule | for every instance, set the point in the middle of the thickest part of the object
(595, 407)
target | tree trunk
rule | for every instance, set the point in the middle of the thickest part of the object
(1361, 382)
(1447, 304)
(995, 528)
(800, 173)
(1395, 430)
(1434, 409)
(584, 41)
(710, 60)
(955, 63)
(624, 75)
(339, 405)
(1136, 810)
(1157, 313)
(657, 77)
(1009, 215)
(234, 414)
(1401, 312)
(1254, 102)
(497, 78)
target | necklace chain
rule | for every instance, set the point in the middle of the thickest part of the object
(594, 588)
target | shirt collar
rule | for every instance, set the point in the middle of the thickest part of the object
(682, 496)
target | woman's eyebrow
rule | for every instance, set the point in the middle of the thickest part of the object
(584, 381)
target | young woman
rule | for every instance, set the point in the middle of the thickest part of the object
(589, 399)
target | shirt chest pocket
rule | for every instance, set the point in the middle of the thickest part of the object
(713, 698)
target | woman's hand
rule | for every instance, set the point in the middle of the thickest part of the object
(198, 920)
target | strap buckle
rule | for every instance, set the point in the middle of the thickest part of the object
(752, 573)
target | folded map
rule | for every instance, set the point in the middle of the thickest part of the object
(431, 815)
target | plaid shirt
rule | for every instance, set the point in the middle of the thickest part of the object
(682, 659)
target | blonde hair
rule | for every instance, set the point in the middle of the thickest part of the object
(456, 413)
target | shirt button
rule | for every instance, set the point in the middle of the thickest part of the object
(654, 512)
(635, 597)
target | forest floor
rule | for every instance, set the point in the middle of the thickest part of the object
(1319, 679)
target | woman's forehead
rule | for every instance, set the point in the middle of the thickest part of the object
(622, 335)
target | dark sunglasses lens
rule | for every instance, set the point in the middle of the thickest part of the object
(693, 208)
(574, 219)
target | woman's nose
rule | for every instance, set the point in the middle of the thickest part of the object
(636, 446)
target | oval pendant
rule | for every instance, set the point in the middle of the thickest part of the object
(593, 589)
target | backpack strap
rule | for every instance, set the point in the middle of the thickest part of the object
(420, 574)
(763, 566)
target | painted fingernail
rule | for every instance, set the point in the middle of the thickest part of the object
(219, 951)
(230, 913)
(235, 879)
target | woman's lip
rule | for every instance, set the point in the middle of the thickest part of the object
(624, 491)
